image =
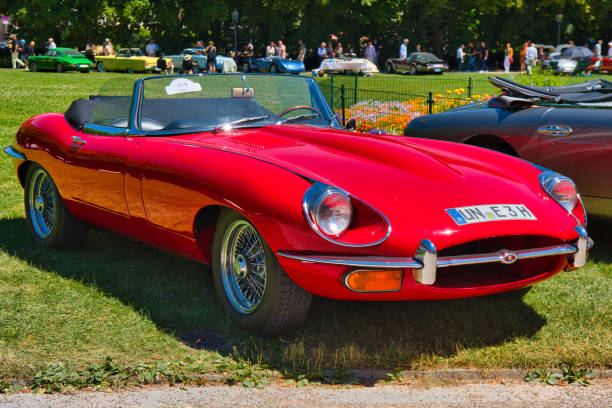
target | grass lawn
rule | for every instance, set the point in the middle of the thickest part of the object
(134, 303)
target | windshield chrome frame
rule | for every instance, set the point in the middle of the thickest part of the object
(133, 126)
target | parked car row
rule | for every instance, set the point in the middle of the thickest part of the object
(253, 175)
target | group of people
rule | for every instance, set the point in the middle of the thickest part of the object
(20, 51)
(477, 57)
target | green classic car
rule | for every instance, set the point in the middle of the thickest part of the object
(60, 60)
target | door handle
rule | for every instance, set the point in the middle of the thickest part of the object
(555, 130)
(78, 141)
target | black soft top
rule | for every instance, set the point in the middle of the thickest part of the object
(596, 92)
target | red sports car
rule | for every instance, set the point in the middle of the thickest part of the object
(252, 174)
(601, 65)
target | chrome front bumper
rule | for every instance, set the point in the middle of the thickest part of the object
(426, 261)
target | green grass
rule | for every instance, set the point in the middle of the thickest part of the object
(132, 302)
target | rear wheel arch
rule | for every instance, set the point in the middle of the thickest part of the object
(493, 143)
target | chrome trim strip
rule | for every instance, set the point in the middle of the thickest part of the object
(102, 130)
(11, 151)
(309, 200)
(356, 261)
(344, 281)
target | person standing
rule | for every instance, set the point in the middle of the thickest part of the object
(51, 44)
(610, 49)
(151, 48)
(22, 51)
(211, 57)
(471, 57)
(30, 52)
(404, 49)
(418, 48)
(508, 57)
(460, 55)
(301, 51)
(321, 52)
(282, 50)
(483, 55)
(14, 48)
(108, 48)
(370, 52)
(531, 57)
(270, 50)
(597, 49)
(377, 48)
(522, 55)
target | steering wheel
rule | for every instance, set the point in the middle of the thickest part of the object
(297, 107)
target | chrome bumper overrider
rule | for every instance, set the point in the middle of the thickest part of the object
(11, 151)
(426, 261)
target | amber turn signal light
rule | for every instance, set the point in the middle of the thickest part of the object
(374, 280)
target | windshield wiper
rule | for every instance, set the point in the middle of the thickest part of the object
(300, 117)
(229, 125)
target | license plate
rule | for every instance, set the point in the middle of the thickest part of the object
(83, 66)
(494, 212)
(437, 70)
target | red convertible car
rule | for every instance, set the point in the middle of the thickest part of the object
(252, 174)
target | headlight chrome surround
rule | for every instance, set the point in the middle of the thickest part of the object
(550, 180)
(315, 201)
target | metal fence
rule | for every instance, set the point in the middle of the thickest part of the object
(382, 109)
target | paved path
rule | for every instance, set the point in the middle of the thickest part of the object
(470, 395)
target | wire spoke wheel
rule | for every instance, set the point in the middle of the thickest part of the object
(243, 266)
(42, 203)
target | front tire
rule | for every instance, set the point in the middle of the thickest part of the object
(246, 68)
(130, 70)
(33, 67)
(273, 69)
(59, 68)
(48, 219)
(101, 67)
(390, 68)
(251, 285)
(413, 70)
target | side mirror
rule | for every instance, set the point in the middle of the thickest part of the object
(351, 124)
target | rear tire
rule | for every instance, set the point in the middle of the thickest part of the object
(130, 70)
(241, 262)
(101, 67)
(273, 69)
(59, 68)
(246, 68)
(33, 67)
(48, 219)
(413, 70)
(390, 68)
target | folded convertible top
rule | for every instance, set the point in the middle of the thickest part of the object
(592, 92)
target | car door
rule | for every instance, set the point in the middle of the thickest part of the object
(403, 65)
(46, 62)
(577, 142)
(96, 169)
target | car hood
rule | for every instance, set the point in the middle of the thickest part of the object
(412, 181)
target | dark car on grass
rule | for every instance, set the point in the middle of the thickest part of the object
(567, 129)
(416, 63)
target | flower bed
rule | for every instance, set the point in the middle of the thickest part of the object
(393, 116)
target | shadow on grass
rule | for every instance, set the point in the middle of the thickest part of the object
(178, 295)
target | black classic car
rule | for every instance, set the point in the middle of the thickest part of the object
(567, 129)
(417, 62)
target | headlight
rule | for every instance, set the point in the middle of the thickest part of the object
(329, 210)
(562, 189)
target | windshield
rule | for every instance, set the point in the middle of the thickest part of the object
(209, 102)
(426, 57)
(130, 52)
